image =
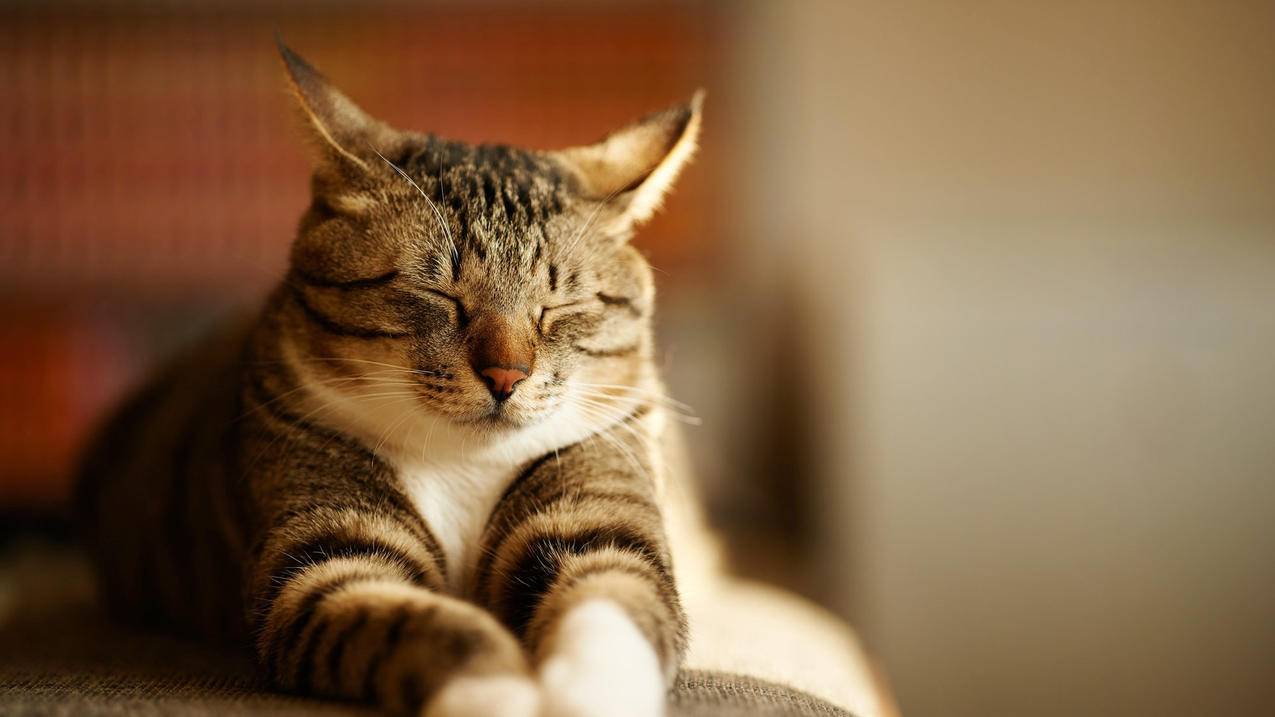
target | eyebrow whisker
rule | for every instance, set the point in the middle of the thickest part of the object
(447, 230)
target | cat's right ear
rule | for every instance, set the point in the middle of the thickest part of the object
(343, 135)
(633, 168)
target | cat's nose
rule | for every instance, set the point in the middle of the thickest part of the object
(501, 352)
(501, 380)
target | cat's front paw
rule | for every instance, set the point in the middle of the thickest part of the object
(486, 696)
(601, 666)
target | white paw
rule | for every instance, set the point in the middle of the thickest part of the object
(601, 666)
(496, 696)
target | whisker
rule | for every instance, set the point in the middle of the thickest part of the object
(673, 412)
(301, 419)
(429, 436)
(389, 430)
(447, 230)
(589, 222)
(634, 389)
(323, 381)
(382, 364)
(605, 435)
(675, 408)
(663, 401)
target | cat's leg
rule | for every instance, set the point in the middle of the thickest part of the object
(598, 643)
(576, 563)
(348, 604)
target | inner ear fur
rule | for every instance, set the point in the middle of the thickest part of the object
(635, 167)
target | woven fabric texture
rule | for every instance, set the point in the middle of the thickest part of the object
(60, 656)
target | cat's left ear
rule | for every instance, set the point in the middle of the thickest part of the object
(633, 168)
(344, 135)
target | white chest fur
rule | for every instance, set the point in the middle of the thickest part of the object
(456, 479)
(456, 499)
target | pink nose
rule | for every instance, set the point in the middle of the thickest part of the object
(501, 380)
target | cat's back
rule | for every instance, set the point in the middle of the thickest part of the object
(155, 493)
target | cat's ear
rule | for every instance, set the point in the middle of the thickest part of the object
(633, 168)
(342, 133)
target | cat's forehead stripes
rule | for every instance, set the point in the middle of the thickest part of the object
(501, 198)
(497, 182)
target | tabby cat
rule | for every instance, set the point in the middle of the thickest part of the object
(433, 472)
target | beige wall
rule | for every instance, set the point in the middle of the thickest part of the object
(1038, 246)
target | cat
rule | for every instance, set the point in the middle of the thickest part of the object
(436, 471)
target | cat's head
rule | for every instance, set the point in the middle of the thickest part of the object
(488, 285)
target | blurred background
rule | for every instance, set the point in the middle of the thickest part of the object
(976, 300)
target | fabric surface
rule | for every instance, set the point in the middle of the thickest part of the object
(60, 656)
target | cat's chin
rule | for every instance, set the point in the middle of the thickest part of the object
(497, 420)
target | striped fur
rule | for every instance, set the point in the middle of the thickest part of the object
(295, 481)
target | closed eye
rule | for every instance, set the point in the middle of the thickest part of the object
(462, 317)
(549, 313)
